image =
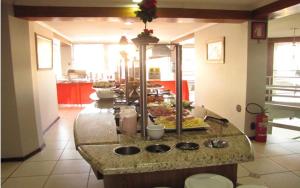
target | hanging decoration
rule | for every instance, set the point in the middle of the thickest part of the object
(146, 12)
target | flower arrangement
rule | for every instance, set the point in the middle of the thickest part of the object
(147, 12)
(146, 32)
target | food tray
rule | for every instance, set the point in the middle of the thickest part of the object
(200, 126)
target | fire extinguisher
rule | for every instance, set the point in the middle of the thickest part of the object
(261, 122)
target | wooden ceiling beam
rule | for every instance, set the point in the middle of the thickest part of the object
(277, 8)
(51, 12)
(273, 10)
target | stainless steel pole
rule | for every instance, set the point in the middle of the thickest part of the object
(178, 89)
(143, 91)
(126, 78)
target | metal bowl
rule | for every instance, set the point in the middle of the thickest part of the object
(216, 143)
(127, 150)
(158, 148)
(187, 146)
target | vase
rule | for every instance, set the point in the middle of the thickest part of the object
(145, 39)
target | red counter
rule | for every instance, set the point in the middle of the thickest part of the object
(171, 85)
(74, 93)
(78, 93)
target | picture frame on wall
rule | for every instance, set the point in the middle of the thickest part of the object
(259, 30)
(44, 52)
(215, 50)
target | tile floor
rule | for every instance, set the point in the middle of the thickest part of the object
(59, 165)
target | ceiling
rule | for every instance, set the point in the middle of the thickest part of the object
(110, 30)
(282, 27)
(207, 4)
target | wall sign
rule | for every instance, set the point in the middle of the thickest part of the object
(215, 50)
(258, 30)
(44, 52)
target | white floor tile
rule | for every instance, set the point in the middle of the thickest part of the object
(7, 168)
(291, 162)
(59, 144)
(67, 181)
(70, 145)
(70, 154)
(71, 167)
(94, 182)
(3, 180)
(242, 172)
(263, 166)
(46, 155)
(34, 169)
(25, 182)
(282, 180)
(270, 149)
(293, 147)
(297, 173)
(251, 181)
(274, 139)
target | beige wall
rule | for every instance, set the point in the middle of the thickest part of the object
(10, 135)
(29, 100)
(21, 133)
(220, 87)
(241, 80)
(256, 77)
(66, 58)
(44, 82)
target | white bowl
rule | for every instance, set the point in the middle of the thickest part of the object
(155, 131)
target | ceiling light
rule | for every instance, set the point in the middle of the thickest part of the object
(123, 41)
(136, 1)
(128, 23)
(160, 51)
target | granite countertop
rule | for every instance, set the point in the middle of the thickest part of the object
(96, 137)
(95, 126)
(102, 128)
(103, 158)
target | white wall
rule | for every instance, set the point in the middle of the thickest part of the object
(241, 80)
(66, 58)
(21, 133)
(256, 77)
(10, 134)
(220, 87)
(44, 82)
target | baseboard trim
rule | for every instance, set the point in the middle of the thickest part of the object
(13, 159)
(47, 129)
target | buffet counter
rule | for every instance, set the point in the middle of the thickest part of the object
(96, 138)
(78, 92)
(74, 92)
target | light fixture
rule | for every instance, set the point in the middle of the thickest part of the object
(294, 42)
(294, 46)
(159, 51)
(123, 41)
(128, 23)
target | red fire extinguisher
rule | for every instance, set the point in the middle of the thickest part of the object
(261, 127)
(261, 122)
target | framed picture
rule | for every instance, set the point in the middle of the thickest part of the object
(258, 30)
(215, 51)
(44, 52)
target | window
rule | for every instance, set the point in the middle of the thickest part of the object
(286, 72)
(89, 57)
